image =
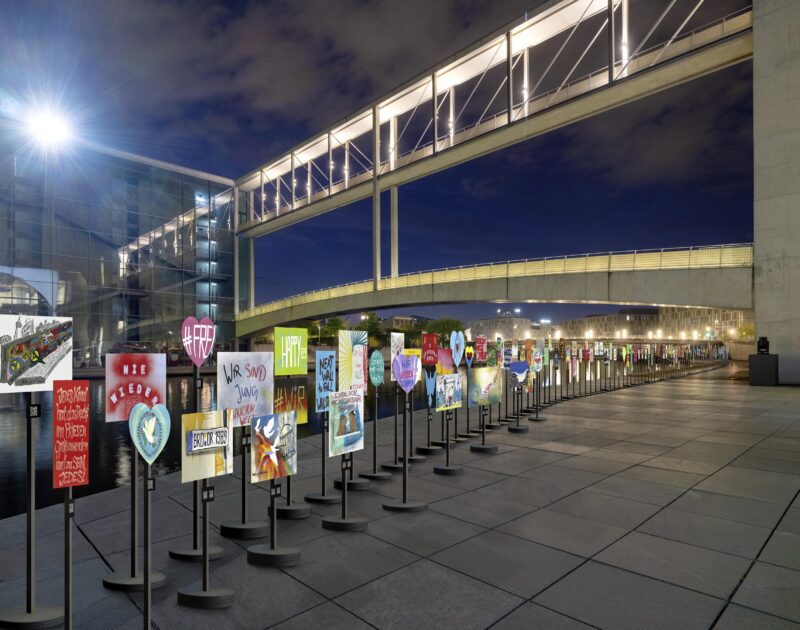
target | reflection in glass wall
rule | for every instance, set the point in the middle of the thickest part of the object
(125, 248)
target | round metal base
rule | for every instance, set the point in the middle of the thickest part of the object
(535, 419)
(493, 426)
(392, 467)
(397, 505)
(429, 450)
(458, 440)
(293, 512)
(466, 436)
(353, 485)
(263, 556)
(443, 443)
(244, 531)
(349, 524)
(452, 471)
(190, 554)
(212, 598)
(513, 428)
(415, 459)
(489, 449)
(376, 476)
(326, 499)
(124, 581)
(42, 617)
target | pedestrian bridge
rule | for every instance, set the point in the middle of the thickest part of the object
(718, 276)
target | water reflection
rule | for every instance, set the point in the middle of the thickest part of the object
(109, 443)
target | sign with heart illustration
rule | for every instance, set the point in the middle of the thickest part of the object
(406, 369)
(457, 346)
(198, 338)
(149, 428)
(469, 353)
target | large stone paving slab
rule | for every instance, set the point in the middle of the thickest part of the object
(772, 590)
(428, 595)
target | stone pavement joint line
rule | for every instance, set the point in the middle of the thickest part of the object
(671, 505)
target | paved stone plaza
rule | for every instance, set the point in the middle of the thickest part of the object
(672, 505)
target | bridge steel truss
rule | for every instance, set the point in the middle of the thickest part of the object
(570, 60)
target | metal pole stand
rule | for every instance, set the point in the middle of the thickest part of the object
(207, 597)
(447, 468)
(456, 437)
(134, 580)
(492, 426)
(537, 401)
(244, 529)
(345, 523)
(195, 552)
(445, 435)
(412, 458)
(516, 428)
(291, 511)
(271, 555)
(69, 514)
(483, 447)
(429, 448)
(404, 505)
(322, 496)
(395, 466)
(375, 474)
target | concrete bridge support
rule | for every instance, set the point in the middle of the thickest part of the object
(776, 145)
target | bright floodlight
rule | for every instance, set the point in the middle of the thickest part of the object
(49, 129)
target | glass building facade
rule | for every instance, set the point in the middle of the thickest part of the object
(126, 246)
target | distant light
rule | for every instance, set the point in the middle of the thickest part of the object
(517, 310)
(558, 334)
(658, 334)
(49, 129)
(544, 321)
(498, 310)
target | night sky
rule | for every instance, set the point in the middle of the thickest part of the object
(224, 87)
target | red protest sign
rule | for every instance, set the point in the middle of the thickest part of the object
(430, 348)
(70, 433)
(480, 349)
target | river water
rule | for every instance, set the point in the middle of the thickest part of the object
(109, 443)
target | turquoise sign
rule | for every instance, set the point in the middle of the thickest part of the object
(376, 368)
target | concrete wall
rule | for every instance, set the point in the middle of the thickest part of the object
(776, 145)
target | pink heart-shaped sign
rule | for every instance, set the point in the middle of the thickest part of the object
(406, 370)
(198, 338)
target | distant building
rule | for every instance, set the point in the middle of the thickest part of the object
(403, 322)
(628, 323)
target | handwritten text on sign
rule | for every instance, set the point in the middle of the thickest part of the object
(70, 433)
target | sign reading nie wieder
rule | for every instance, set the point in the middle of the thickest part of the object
(132, 379)
(34, 351)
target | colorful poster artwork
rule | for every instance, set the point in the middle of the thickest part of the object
(197, 338)
(149, 428)
(244, 385)
(291, 351)
(407, 371)
(457, 346)
(491, 355)
(485, 386)
(480, 349)
(448, 392)
(529, 350)
(415, 352)
(469, 353)
(430, 349)
(133, 379)
(291, 394)
(70, 433)
(325, 381)
(445, 363)
(430, 383)
(207, 445)
(273, 453)
(347, 423)
(398, 343)
(353, 361)
(34, 351)
(376, 368)
(518, 371)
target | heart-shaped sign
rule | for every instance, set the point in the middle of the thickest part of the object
(376, 368)
(198, 338)
(406, 369)
(457, 346)
(469, 354)
(430, 384)
(149, 429)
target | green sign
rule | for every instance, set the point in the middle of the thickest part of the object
(376, 368)
(291, 351)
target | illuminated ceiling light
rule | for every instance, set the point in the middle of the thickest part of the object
(49, 129)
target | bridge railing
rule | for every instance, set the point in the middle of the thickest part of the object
(704, 257)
